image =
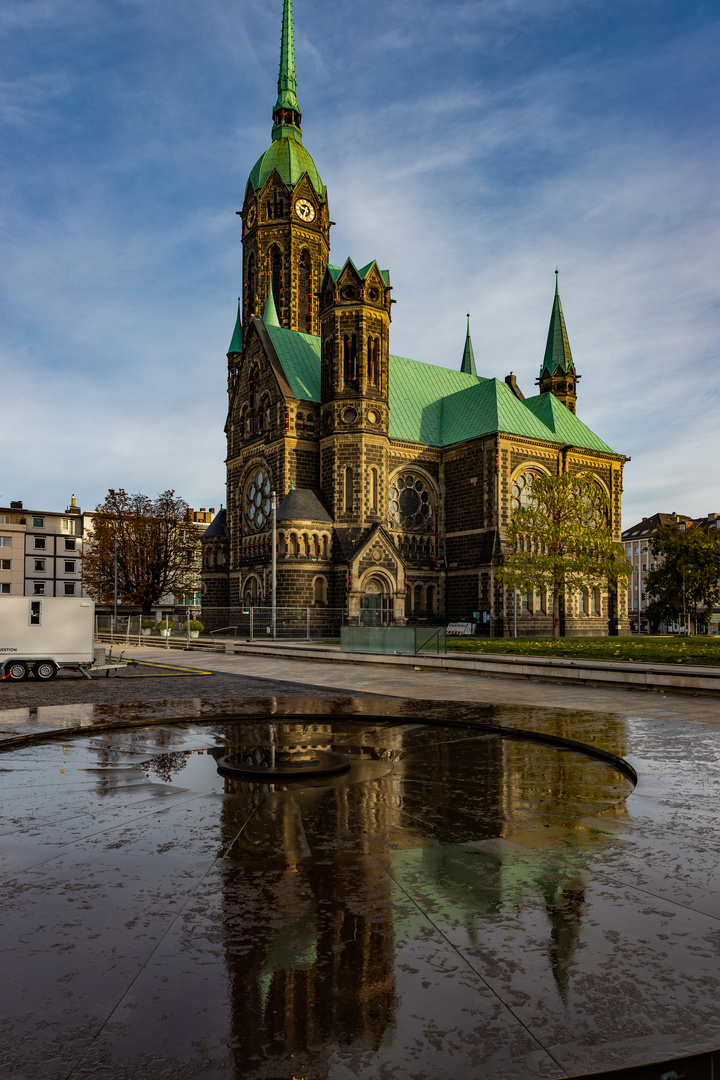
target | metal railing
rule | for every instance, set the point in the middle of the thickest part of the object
(291, 623)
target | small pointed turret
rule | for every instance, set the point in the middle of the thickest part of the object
(468, 359)
(236, 341)
(557, 374)
(270, 315)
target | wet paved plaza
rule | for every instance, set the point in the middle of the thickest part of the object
(463, 902)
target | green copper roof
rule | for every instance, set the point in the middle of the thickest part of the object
(287, 84)
(288, 155)
(468, 360)
(362, 273)
(439, 407)
(564, 424)
(299, 355)
(270, 315)
(286, 152)
(236, 342)
(557, 350)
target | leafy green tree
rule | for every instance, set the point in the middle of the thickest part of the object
(686, 578)
(157, 549)
(560, 540)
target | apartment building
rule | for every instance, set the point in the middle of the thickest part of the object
(41, 551)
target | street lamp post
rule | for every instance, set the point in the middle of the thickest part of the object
(273, 503)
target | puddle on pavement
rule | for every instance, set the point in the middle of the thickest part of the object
(329, 920)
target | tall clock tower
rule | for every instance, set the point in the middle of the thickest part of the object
(286, 222)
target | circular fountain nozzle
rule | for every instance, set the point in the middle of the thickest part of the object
(281, 766)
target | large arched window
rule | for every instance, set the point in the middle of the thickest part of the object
(305, 292)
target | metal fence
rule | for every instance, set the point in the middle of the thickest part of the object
(296, 623)
(129, 629)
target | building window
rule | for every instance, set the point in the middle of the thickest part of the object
(4, 519)
(69, 567)
(38, 523)
(69, 545)
(40, 542)
(5, 541)
(257, 501)
(39, 566)
(5, 588)
(69, 588)
(67, 525)
(410, 504)
(348, 490)
(373, 489)
(5, 564)
(320, 592)
(522, 490)
(39, 588)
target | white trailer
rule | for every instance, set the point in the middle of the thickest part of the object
(42, 635)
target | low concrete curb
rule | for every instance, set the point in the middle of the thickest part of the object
(695, 680)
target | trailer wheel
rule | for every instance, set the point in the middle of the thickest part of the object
(45, 669)
(17, 670)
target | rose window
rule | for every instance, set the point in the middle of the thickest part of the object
(257, 500)
(410, 506)
(522, 490)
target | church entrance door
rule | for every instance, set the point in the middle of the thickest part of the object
(376, 605)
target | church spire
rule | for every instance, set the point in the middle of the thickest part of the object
(270, 315)
(287, 110)
(468, 359)
(236, 341)
(557, 374)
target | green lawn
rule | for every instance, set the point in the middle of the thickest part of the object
(663, 650)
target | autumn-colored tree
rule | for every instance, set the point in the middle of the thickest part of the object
(687, 576)
(157, 549)
(560, 540)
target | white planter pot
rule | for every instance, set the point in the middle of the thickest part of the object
(194, 633)
(165, 633)
(145, 633)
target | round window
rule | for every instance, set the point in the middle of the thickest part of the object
(410, 504)
(257, 501)
(521, 494)
(350, 416)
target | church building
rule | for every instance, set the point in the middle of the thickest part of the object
(395, 479)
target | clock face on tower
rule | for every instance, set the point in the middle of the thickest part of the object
(251, 215)
(305, 210)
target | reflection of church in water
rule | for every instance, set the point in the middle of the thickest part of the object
(320, 881)
(396, 479)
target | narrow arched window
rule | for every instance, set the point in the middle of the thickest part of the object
(305, 293)
(250, 285)
(276, 267)
(348, 490)
(430, 600)
(373, 489)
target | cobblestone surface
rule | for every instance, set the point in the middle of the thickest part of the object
(145, 684)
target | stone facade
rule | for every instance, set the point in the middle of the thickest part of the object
(406, 473)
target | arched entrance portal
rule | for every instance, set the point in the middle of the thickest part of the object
(376, 606)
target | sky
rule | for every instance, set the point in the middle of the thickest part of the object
(470, 146)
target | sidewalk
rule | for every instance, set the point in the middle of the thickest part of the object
(327, 667)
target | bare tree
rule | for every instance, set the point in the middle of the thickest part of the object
(157, 548)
